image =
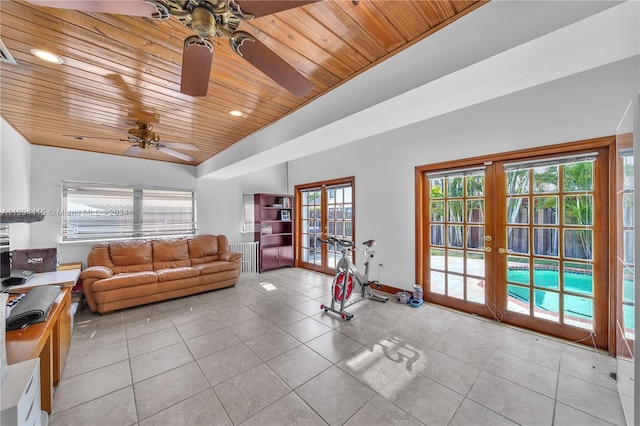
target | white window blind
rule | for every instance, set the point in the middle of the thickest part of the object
(96, 211)
(554, 161)
(470, 171)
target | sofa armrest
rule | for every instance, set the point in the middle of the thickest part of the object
(230, 256)
(99, 272)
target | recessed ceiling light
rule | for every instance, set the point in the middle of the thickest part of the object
(235, 113)
(47, 56)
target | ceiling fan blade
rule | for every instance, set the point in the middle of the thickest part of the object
(274, 67)
(196, 66)
(83, 137)
(176, 154)
(181, 145)
(124, 7)
(260, 8)
(127, 134)
(134, 150)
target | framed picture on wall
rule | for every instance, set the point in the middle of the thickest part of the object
(285, 215)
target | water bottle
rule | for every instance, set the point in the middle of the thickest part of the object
(417, 292)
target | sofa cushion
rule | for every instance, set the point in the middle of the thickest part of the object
(99, 256)
(125, 280)
(203, 249)
(177, 273)
(170, 253)
(131, 256)
(213, 267)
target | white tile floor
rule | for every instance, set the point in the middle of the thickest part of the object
(249, 356)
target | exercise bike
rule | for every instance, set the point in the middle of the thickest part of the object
(346, 274)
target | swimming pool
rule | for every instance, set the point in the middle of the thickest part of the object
(574, 305)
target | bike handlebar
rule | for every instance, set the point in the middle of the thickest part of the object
(345, 243)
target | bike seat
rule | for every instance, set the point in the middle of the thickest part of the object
(369, 243)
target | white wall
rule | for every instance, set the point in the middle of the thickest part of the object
(52, 165)
(583, 106)
(15, 180)
(220, 201)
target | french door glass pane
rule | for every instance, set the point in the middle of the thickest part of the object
(475, 290)
(578, 243)
(578, 278)
(455, 261)
(629, 247)
(475, 186)
(475, 264)
(437, 235)
(545, 273)
(627, 210)
(578, 177)
(455, 285)
(454, 235)
(518, 299)
(437, 188)
(547, 305)
(518, 210)
(455, 211)
(545, 210)
(455, 188)
(475, 237)
(545, 242)
(437, 283)
(545, 179)
(437, 258)
(437, 211)
(578, 311)
(518, 270)
(518, 240)
(475, 211)
(578, 210)
(517, 182)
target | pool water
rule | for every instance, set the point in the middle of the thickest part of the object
(581, 307)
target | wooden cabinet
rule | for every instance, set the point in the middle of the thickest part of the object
(274, 230)
(48, 341)
(61, 339)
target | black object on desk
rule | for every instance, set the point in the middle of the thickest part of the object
(33, 308)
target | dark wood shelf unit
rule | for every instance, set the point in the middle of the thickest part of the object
(274, 230)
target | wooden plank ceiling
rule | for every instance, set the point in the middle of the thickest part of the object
(118, 70)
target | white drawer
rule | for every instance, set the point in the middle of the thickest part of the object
(21, 395)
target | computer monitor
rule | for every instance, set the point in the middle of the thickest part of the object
(5, 263)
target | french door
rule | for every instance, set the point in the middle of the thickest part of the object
(325, 209)
(523, 241)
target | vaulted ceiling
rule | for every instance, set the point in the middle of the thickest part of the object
(119, 70)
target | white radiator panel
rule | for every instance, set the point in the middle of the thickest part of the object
(249, 256)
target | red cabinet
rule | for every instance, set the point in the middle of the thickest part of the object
(274, 230)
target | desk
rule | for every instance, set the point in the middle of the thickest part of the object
(47, 340)
(67, 278)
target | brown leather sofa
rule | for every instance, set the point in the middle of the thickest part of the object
(122, 274)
